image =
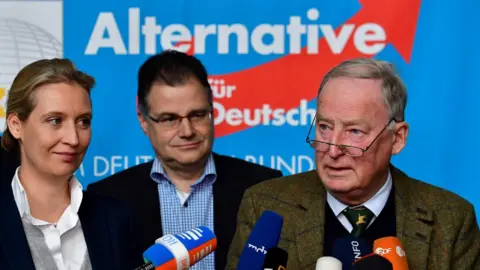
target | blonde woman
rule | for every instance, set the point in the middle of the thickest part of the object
(48, 221)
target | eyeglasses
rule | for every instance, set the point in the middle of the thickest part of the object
(171, 120)
(350, 150)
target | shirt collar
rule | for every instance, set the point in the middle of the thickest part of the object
(20, 196)
(208, 176)
(374, 204)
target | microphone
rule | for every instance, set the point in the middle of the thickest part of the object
(276, 259)
(180, 251)
(328, 263)
(391, 248)
(349, 249)
(372, 261)
(265, 235)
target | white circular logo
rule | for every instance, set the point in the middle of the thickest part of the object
(400, 251)
(21, 43)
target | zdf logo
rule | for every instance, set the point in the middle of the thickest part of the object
(383, 251)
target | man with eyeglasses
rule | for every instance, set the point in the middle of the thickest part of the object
(355, 190)
(186, 185)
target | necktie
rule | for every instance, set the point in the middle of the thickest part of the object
(359, 217)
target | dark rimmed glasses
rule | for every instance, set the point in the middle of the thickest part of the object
(172, 121)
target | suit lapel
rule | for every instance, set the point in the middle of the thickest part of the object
(220, 205)
(414, 221)
(225, 194)
(149, 208)
(310, 236)
(96, 231)
(13, 241)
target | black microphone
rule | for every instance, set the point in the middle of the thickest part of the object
(372, 261)
(275, 259)
(349, 249)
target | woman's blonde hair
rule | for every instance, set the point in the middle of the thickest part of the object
(21, 96)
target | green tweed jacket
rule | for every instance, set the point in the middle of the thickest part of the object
(438, 229)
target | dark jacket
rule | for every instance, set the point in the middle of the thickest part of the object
(234, 176)
(106, 225)
(438, 229)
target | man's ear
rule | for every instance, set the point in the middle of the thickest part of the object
(142, 119)
(400, 137)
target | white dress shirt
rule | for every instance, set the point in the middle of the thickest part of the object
(65, 240)
(375, 204)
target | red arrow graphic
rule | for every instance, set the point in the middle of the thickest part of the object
(282, 83)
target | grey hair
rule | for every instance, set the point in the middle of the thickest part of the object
(393, 88)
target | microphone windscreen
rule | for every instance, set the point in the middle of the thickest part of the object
(391, 248)
(265, 235)
(275, 259)
(328, 263)
(181, 250)
(159, 255)
(372, 261)
(349, 249)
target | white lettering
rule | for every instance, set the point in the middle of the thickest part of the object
(264, 39)
(234, 117)
(105, 22)
(96, 166)
(382, 251)
(252, 118)
(183, 35)
(283, 164)
(266, 115)
(290, 117)
(201, 34)
(337, 43)
(312, 31)
(134, 31)
(355, 249)
(250, 158)
(257, 249)
(278, 119)
(150, 30)
(293, 164)
(104, 166)
(220, 90)
(295, 29)
(142, 159)
(369, 32)
(277, 33)
(224, 32)
(301, 161)
(116, 163)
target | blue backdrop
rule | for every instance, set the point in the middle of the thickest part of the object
(433, 44)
